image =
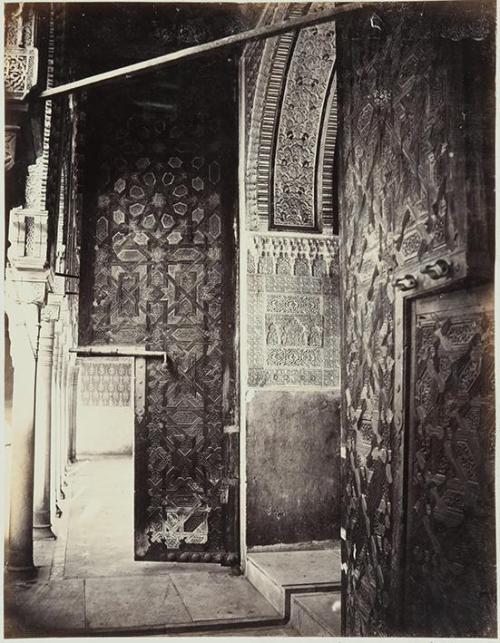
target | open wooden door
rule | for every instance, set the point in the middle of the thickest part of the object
(163, 182)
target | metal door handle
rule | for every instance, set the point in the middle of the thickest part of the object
(408, 282)
(437, 270)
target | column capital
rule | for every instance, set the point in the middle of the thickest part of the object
(50, 312)
(46, 340)
(25, 287)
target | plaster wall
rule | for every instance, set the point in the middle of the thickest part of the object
(104, 430)
(293, 473)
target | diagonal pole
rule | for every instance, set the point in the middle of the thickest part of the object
(191, 52)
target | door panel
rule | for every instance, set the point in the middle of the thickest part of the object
(450, 548)
(162, 257)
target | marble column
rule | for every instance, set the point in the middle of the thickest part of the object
(64, 434)
(56, 420)
(73, 391)
(43, 425)
(23, 331)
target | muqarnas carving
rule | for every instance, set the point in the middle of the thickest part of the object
(293, 311)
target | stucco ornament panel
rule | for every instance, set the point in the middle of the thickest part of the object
(293, 312)
(105, 382)
(300, 128)
(265, 77)
(291, 126)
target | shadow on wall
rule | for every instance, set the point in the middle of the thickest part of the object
(293, 460)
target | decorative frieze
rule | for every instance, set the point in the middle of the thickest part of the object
(300, 126)
(105, 381)
(292, 120)
(293, 311)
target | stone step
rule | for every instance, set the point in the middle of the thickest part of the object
(278, 575)
(283, 630)
(316, 614)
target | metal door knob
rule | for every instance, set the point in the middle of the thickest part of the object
(408, 282)
(437, 270)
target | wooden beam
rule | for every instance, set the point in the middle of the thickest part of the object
(191, 52)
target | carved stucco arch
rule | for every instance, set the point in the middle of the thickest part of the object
(291, 123)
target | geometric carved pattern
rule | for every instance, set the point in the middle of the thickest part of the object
(293, 312)
(105, 382)
(451, 532)
(158, 281)
(402, 181)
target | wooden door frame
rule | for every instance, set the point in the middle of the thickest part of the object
(404, 302)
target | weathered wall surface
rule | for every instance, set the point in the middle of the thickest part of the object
(295, 438)
(292, 300)
(414, 131)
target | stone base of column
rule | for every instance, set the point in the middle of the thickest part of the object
(20, 573)
(42, 527)
(43, 532)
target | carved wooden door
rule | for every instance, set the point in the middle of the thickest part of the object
(162, 257)
(450, 545)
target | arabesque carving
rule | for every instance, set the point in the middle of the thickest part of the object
(293, 312)
(299, 131)
(291, 127)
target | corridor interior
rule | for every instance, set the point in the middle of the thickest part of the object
(259, 244)
(88, 581)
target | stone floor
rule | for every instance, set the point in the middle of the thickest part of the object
(88, 582)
